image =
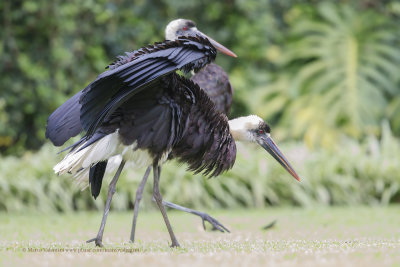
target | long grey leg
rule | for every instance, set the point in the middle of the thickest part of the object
(139, 193)
(157, 196)
(204, 216)
(111, 190)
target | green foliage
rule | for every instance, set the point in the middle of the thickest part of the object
(52, 49)
(354, 174)
(321, 71)
(312, 68)
(339, 71)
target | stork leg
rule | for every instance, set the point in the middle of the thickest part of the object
(111, 190)
(204, 216)
(139, 193)
(158, 198)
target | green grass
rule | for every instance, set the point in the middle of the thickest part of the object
(364, 236)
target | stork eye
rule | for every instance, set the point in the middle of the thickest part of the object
(185, 28)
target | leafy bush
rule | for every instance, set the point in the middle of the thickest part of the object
(353, 174)
(337, 74)
(316, 69)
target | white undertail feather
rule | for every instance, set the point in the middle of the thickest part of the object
(98, 151)
(108, 148)
(82, 177)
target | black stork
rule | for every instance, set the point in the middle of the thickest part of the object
(144, 111)
(65, 121)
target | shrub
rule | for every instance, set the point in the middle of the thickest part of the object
(366, 173)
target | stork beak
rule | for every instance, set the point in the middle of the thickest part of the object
(268, 144)
(217, 45)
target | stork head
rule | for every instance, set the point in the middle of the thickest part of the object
(185, 27)
(253, 129)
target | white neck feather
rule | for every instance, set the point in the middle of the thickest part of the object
(170, 30)
(240, 127)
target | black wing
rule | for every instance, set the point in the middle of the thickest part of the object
(128, 75)
(64, 122)
(138, 71)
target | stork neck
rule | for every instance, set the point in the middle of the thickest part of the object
(238, 130)
(243, 128)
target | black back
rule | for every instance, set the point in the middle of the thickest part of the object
(215, 82)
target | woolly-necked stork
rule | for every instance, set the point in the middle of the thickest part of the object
(65, 121)
(145, 112)
(215, 82)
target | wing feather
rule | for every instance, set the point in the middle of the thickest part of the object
(113, 87)
(126, 77)
(64, 122)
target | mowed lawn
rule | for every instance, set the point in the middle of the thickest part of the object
(341, 236)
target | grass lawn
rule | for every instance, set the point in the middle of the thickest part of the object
(355, 236)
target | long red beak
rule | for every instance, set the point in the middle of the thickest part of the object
(268, 144)
(217, 45)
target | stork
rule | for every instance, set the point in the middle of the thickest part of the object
(142, 110)
(215, 82)
(65, 121)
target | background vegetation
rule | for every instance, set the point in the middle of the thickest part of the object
(324, 74)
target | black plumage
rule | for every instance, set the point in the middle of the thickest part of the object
(96, 174)
(138, 71)
(65, 122)
(157, 111)
(129, 74)
(215, 82)
(174, 115)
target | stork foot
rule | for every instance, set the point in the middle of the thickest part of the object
(175, 245)
(204, 216)
(214, 222)
(97, 241)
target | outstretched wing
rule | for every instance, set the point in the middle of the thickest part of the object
(65, 122)
(138, 71)
(125, 77)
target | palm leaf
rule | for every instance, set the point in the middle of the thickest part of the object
(346, 66)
